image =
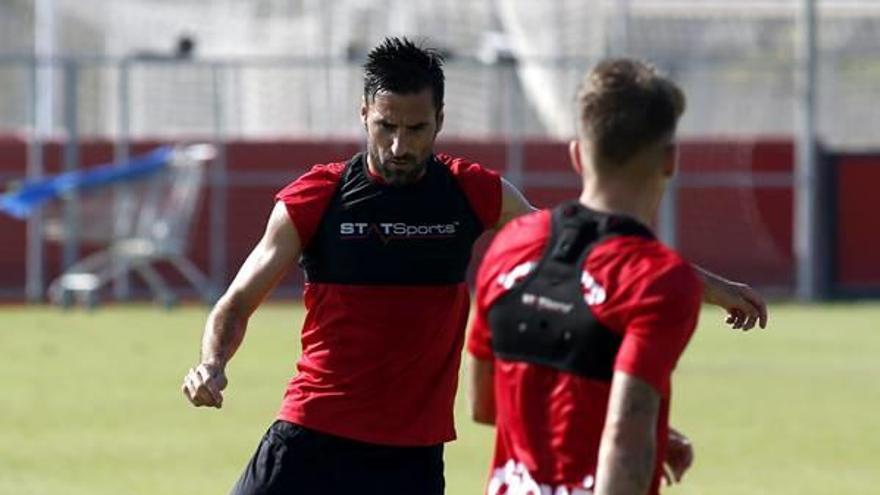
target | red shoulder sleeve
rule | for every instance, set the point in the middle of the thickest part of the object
(307, 197)
(481, 185)
(514, 252)
(661, 320)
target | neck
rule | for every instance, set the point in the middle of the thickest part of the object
(614, 195)
(371, 167)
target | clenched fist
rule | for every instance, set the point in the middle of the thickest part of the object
(204, 384)
(679, 457)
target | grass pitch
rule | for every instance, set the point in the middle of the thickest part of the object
(90, 403)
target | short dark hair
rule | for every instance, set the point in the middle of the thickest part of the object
(624, 105)
(397, 65)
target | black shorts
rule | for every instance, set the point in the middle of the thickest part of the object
(295, 460)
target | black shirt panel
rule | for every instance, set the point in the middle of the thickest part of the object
(374, 233)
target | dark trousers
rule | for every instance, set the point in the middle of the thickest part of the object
(295, 460)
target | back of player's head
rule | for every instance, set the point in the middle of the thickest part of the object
(397, 65)
(624, 106)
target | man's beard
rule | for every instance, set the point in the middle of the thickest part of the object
(409, 171)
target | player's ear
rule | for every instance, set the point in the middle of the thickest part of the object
(670, 160)
(574, 154)
(365, 108)
(441, 116)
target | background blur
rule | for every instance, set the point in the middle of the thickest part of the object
(780, 157)
(276, 84)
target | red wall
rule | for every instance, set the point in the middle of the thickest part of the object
(858, 226)
(13, 160)
(742, 231)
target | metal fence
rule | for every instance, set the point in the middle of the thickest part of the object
(167, 99)
(290, 67)
(272, 98)
(737, 62)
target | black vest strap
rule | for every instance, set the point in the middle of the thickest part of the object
(544, 319)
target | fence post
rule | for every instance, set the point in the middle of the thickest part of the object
(34, 265)
(42, 99)
(808, 206)
(511, 123)
(219, 184)
(70, 251)
(121, 155)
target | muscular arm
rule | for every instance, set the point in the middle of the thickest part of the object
(482, 391)
(513, 203)
(224, 331)
(628, 447)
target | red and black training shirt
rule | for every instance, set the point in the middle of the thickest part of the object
(637, 302)
(385, 296)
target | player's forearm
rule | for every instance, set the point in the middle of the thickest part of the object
(224, 332)
(482, 391)
(711, 284)
(628, 447)
(626, 467)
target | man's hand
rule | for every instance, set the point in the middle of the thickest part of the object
(679, 457)
(744, 306)
(204, 384)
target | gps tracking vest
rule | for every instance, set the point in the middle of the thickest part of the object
(378, 234)
(544, 318)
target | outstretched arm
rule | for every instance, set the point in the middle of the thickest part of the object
(628, 447)
(224, 331)
(744, 306)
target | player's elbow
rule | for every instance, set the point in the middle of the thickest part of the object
(233, 307)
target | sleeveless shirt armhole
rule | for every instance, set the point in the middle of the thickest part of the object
(481, 186)
(307, 197)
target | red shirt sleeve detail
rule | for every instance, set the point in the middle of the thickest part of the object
(307, 197)
(662, 319)
(481, 186)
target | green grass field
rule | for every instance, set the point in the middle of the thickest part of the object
(90, 403)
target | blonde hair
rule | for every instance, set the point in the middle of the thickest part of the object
(624, 105)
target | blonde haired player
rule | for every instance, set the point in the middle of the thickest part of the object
(582, 313)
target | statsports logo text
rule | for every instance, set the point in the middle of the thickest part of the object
(387, 231)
